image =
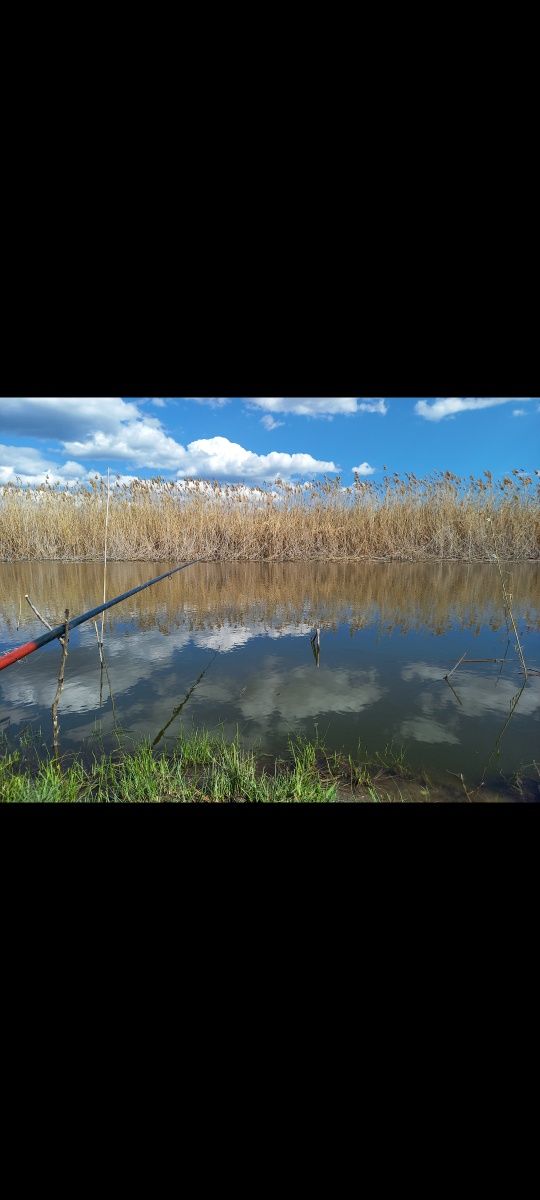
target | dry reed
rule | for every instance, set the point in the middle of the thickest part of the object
(439, 517)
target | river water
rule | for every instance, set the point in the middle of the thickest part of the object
(388, 635)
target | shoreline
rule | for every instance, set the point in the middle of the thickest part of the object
(326, 558)
(207, 769)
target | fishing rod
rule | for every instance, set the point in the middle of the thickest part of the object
(60, 630)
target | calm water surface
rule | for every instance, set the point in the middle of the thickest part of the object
(389, 634)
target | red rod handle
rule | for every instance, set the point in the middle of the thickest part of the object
(20, 652)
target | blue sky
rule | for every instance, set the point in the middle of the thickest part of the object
(256, 439)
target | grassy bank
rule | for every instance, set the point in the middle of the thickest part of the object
(207, 769)
(439, 517)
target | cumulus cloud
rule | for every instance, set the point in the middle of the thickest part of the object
(27, 465)
(325, 406)
(518, 412)
(270, 423)
(364, 469)
(63, 418)
(143, 442)
(103, 430)
(218, 456)
(439, 409)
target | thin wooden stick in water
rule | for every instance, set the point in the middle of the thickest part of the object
(59, 686)
(40, 618)
(20, 610)
(105, 553)
(508, 598)
(38, 614)
(449, 673)
(446, 680)
(103, 667)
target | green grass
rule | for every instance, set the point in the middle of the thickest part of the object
(203, 768)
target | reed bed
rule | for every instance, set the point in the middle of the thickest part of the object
(442, 516)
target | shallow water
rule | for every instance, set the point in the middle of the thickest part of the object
(389, 634)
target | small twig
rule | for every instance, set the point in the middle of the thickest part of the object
(103, 667)
(447, 676)
(484, 660)
(100, 648)
(54, 710)
(508, 599)
(38, 614)
(182, 704)
(470, 795)
(446, 680)
(497, 746)
(503, 659)
(100, 644)
(40, 618)
(20, 610)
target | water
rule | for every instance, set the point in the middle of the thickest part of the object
(389, 634)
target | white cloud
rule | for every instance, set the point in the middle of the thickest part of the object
(64, 418)
(158, 401)
(270, 423)
(145, 444)
(373, 406)
(28, 465)
(439, 409)
(142, 442)
(102, 430)
(217, 456)
(326, 406)
(212, 401)
(518, 412)
(98, 429)
(364, 469)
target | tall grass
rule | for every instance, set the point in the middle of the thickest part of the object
(205, 768)
(442, 516)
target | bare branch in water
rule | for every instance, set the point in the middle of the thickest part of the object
(449, 673)
(40, 618)
(182, 704)
(508, 602)
(446, 680)
(103, 667)
(54, 710)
